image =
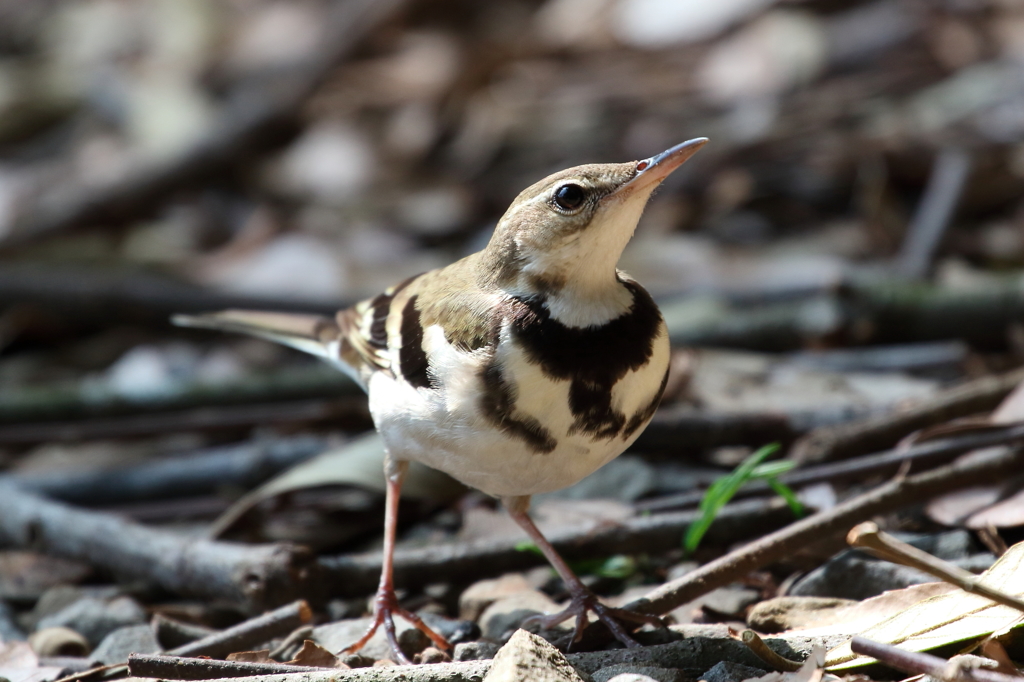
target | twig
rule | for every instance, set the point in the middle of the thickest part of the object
(205, 471)
(54, 403)
(785, 542)
(867, 536)
(768, 655)
(297, 636)
(917, 663)
(890, 312)
(255, 121)
(174, 633)
(88, 295)
(940, 199)
(848, 440)
(679, 429)
(248, 634)
(175, 668)
(216, 418)
(922, 455)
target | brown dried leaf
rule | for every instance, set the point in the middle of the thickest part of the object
(261, 656)
(314, 655)
(954, 617)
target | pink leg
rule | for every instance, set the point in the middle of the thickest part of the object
(385, 606)
(582, 599)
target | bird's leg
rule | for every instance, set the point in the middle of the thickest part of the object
(385, 605)
(582, 599)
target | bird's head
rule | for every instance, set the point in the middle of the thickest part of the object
(565, 234)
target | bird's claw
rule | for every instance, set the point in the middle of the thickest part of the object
(583, 602)
(385, 608)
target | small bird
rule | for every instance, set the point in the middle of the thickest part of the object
(517, 370)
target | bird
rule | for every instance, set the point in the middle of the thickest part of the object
(517, 370)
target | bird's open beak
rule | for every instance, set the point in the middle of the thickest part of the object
(650, 172)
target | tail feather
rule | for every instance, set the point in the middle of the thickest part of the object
(309, 333)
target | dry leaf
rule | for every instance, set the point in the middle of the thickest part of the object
(956, 616)
(314, 655)
(359, 463)
(261, 656)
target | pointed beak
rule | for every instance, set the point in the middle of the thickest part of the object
(650, 172)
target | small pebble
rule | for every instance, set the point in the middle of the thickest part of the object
(431, 655)
(357, 661)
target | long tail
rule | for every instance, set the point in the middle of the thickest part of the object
(311, 334)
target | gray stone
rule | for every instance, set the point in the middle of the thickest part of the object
(637, 673)
(96, 618)
(475, 651)
(727, 671)
(132, 639)
(528, 657)
(508, 613)
(855, 575)
(632, 677)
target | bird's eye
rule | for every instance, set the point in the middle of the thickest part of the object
(569, 197)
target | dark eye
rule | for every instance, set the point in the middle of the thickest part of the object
(569, 197)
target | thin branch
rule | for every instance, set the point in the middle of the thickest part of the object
(922, 455)
(783, 543)
(205, 471)
(849, 440)
(213, 418)
(917, 663)
(941, 196)
(249, 633)
(175, 668)
(867, 536)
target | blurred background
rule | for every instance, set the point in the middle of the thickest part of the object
(851, 238)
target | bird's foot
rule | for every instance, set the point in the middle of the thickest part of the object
(385, 608)
(583, 600)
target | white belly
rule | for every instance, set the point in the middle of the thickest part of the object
(445, 428)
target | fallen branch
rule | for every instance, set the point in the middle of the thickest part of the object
(851, 313)
(934, 212)
(175, 668)
(257, 120)
(340, 412)
(678, 429)
(867, 536)
(917, 663)
(247, 634)
(80, 401)
(206, 471)
(92, 296)
(254, 577)
(896, 494)
(848, 440)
